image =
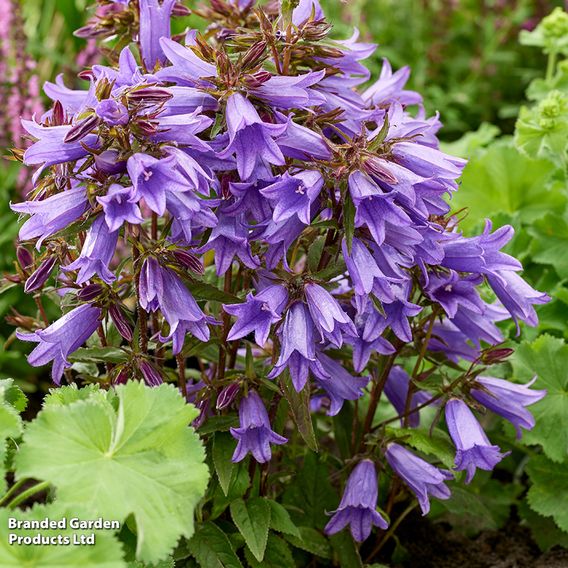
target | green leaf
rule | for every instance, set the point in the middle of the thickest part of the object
(13, 395)
(252, 518)
(70, 393)
(547, 358)
(280, 519)
(212, 548)
(11, 425)
(140, 459)
(223, 449)
(543, 529)
(106, 552)
(345, 550)
(550, 245)
(300, 406)
(504, 180)
(203, 291)
(311, 541)
(278, 555)
(438, 444)
(99, 355)
(349, 220)
(549, 488)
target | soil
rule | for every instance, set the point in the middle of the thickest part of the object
(436, 545)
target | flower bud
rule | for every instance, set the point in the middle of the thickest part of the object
(119, 319)
(189, 260)
(257, 79)
(58, 114)
(89, 292)
(254, 54)
(153, 95)
(496, 355)
(24, 256)
(146, 127)
(40, 275)
(151, 375)
(227, 396)
(108, 162)
(82, 128)
(112, 112)
(179, 10)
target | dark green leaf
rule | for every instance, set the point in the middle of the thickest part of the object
(223, 448)
(211, 547)
(252, 518)
(312, 541)
(280, 519)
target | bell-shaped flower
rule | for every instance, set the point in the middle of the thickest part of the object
(396, 389)
(258, 313)
(358, 506)
(61, 338)
(474, 450)
(254, 434)
(251, 139)
(155, 17)
(328, 316)
(96, 254)
(120, 206)
(421, 477)
(508, 400)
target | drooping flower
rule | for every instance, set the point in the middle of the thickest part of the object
(508, 400)
(328, 316)
(257, 314)
(358, 504)
(96, 254)
(396, 389)
(51, 215)
(61, 338)
(423, 478)
(297, 345)
(474, 450)
(120, 206)
(250, 138)
(155, 19)
(161, 288)
(254, 434)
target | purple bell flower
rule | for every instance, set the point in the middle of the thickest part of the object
(153, 179)
(96, 253)
(51, 215)
(257, 314)
(423, 478)
(61, 338)
(358, 504)
(120, 206)
(254, 434)
(328, 316)
(297, 345)
(161, 288)
(250, 138)
(396, 389)
(112, 112)
(474, 450)
(452, 291)
(508, 400)
(294, 195)
(155, 19)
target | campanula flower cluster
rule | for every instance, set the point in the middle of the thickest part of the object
(248, 203)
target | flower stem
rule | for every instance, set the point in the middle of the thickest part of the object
(25, 495)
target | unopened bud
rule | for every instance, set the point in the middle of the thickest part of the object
(121, 323)
(227, 396)
(24, 256)
(40, 275)
(257, 79)
(189, 260)
(378, 169)
(153, 95)
(58, 114)
(81, 129)
(89, 292)
(151, 375)
(254, 54)
(108, 162)
(146, 127)
(179, 10)
(497, 355)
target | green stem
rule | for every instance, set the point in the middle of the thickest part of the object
(25, 495)
(550, 66)
(13, 490)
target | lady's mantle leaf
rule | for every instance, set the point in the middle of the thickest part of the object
(141, 459)
(105, 553)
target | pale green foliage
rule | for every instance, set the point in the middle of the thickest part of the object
(105, 553)
(551, 34)
(139, 458)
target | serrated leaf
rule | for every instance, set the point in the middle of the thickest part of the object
(252, 518)
(105, 553)
(140, 459)
(547, 358)
(13, 395)
(550, 244)
(212, 548)
(69, 393)
(278, 555)
(99, 355)
(543, 529)
(280, 519)
(223, 449)
(300, 406)
(311, 541)
(437, 444)
(547, 495)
